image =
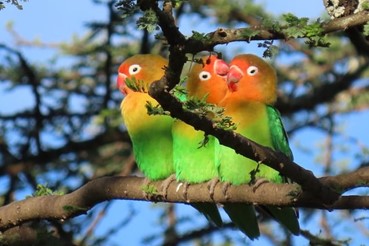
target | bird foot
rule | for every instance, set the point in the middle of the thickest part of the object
(225, 187)
(185, 190)
(211, 187)
(258, 183)
(165, 185)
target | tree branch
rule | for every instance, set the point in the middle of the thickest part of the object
(61, 207)
(227, 35)
(159, 91)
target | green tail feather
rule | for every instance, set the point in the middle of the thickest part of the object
(210, 211)
(286, 216)
(244, 217)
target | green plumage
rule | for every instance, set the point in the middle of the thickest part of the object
(194, 162)
(151, 136)
(263, 125)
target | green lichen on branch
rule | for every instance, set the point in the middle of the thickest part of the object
(43, 190)
(150, 190)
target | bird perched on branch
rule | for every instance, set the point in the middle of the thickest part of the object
(151, 135)
(194, 157)
(251, 93)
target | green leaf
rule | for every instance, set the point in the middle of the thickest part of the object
(366, 29)
(43, 190)
(155, 109)
(200, 36)
(136, 85)
(148, 21)
(249, 33)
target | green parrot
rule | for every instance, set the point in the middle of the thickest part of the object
(195, 162)
(151, 135)
(252, 89)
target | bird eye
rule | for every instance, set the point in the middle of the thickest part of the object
(134, 69)
(204, 75)
(252, 70)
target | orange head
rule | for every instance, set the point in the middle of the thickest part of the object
(146, 68)
(250, 78)
(208, 78)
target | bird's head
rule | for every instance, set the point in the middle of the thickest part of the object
(140, 70)
(208, 78)
(251, 78)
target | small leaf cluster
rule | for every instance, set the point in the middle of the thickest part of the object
(210, 111)
(148, 21)
(270, 49)
(43, 190)
(136, 85)
(300, 27)
(203, 37)
(249, 33)
(155, 109)
(178, 92)
(366, 29)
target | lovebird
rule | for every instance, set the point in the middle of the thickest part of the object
(151, 135)
(252, 90)
(194, 158)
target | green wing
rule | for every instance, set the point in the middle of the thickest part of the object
(286, 216)
(278, 133)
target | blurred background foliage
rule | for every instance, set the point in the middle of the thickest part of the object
(71, 130)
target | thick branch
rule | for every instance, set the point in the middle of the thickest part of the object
(131, 188)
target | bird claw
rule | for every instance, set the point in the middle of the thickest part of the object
(165, 185)
(225, 187)
(211, 187)
(258, 183)
(185, 189)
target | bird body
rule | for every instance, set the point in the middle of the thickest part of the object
(196, 162)
(150, 134)
(251, 92)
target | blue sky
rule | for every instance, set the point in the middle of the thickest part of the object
(58, 21)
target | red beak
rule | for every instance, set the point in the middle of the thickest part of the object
(233, 77)
(121, 83)
(221, 67)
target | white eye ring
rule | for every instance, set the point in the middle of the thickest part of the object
(204, 75)
(134, 69)
(252, 70)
